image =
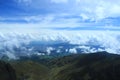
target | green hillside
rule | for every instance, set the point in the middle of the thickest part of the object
(94, 66)
(6, 71)
(98, 66)
(29, 70)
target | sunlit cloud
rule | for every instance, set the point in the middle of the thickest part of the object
(78, 22)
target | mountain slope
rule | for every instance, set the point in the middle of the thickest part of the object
(6, 71)
(29, 70)
(98, 66)
(94, 66)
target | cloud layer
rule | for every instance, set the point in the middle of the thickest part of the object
(60, 13)
(92, 9)
(82, 22)
(18, 44)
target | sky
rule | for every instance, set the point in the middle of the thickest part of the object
(60, 14)
(75, 21)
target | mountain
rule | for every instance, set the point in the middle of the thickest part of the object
(94, 66)
(97, 66)
(29, 70)
(6, 71)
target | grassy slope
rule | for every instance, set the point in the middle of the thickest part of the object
(96, 66)
(6, 71)
(88, 67)
(29, 70)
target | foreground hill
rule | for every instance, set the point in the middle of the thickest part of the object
(6, 71)
(29, 70)
(95, 66)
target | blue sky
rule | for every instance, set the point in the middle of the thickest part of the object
(74, 21)
(60, 14)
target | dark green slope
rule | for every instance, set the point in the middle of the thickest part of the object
(6, 71)
(29, 70)
(94, 66)
(97, 66)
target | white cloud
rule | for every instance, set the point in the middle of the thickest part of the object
(99, 9)
(73, 51)
(109, 40)
(64, 13)
(49, 49)
(73, 14)
(26, 2)
(59, 1)
(94, 9)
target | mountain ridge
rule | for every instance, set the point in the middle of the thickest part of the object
(94, 66)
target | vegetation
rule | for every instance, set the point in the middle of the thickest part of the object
(94, 66)
(6, 71)
(29, 70)
(98, 66)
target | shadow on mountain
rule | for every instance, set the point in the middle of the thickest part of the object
(94, 66)
(97, 66)
(6, 71)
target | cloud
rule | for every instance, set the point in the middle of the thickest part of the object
(36, 20)
(37, 11)
(58, 22)
(74, 51)
(59, 1)
(90, 8)
(24, 1)
(61, 13)
(98, 10)
(15, 44)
